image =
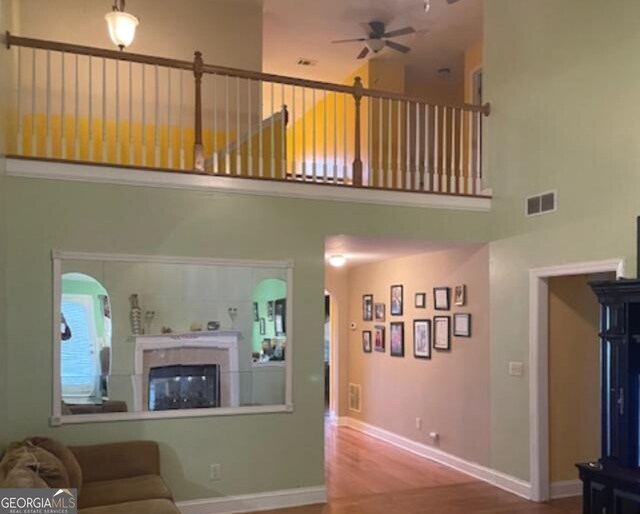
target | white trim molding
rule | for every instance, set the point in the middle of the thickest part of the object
(84, 172)
(566, 489)
(539, 364)
(496, 478)
(57, 418)
(256, 502)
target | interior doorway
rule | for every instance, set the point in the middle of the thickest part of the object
(327, 353)
(563, 289)
(574, 379)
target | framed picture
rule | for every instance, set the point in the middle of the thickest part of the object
(379, 343)
(263, 326)
(441, 298)
(270, 310)
(422, 338)
(367, 307)
(280, 317)
(366, 341)
(460, 295)
(379, 309)
(442, 333)
(397, 300)
(421, 301)
(256, 312)
(462, 325)
(397, 339)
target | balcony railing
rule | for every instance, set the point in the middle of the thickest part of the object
(86, 104)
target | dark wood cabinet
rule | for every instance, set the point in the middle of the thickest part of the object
(612, 485)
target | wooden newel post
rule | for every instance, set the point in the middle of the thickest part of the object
(198, 149)
(357, 157)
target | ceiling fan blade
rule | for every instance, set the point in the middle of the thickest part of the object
(353, 40)
(397, 46)
(399, 32)
(452, 1)
(363, 53)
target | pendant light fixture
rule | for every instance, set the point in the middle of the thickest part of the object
(122, 25)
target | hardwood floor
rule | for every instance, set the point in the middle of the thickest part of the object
(367, 476)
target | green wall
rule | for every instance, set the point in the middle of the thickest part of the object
(266, 291)
(563, 77)
(76, 216)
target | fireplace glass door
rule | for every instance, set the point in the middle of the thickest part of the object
(184, 387)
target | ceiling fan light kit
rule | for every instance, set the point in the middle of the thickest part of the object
(378, 38)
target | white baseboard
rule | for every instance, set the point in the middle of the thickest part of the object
(565, 489)
(496, 478)
(255, 502)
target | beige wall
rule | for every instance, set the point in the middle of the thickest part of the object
(450, 393)
(574, 383)
(228, 32)
(472, 61)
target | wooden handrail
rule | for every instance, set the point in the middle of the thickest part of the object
(11, 40)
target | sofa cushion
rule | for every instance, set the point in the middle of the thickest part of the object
(65, 455)
(109, 492)
(139, 507)
(17, 470)
(48, 467)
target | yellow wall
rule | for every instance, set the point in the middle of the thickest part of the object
(574, 384)
(472, 61)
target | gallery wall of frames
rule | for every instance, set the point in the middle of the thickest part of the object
(419, 348)
(426, 334)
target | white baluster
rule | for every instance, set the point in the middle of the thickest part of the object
(118, 156)
(227, 162)
(283, 126)
(104, 111)
(49, 142)
(324, 140)
(76, 130)
(132, 152)
(92, 153)
(63, 101)
(143, 130)
(314, 135)
(181, 149)
(260, 134)
(250, 131)
(273, 132)
(294, 169)
(335, 138)
(19, 142)
(238, 129)
(169, 121)
(215, 124)
(156, 130)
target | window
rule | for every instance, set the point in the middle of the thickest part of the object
(79, 372)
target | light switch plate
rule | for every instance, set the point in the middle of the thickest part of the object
(516, 369)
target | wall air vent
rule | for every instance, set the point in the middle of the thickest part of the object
(355, 392)
(541, 204)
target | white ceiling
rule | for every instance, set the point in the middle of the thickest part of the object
(295, 29)
(360, 250)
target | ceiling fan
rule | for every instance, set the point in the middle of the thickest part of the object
(378, 37)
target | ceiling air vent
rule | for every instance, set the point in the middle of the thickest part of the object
(541, 204)
(306, 62)
(355, 392)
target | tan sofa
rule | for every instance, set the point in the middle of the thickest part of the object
(118, 478)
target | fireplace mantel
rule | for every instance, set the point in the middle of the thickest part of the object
(227, 341)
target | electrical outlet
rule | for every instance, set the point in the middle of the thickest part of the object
(418, 423)
(215, 472)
